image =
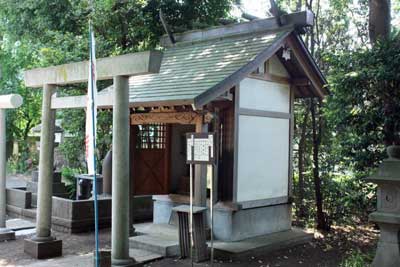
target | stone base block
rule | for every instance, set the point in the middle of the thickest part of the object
(43, 250)
(6, 235)
(235, 225)
(126, 263)
(104, 258)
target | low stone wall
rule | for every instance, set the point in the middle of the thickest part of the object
(75, 216)
(19, 197)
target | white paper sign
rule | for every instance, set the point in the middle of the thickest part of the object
(200, 149)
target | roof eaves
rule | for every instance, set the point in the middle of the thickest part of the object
(314, 65)
(240, 74)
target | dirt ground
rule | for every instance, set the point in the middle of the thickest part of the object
(12, 252)
(327, 250)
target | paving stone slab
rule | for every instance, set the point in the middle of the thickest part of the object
(19, 224)
(144, 256)
(162, 245)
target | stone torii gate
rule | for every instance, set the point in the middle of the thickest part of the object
(119, 68)
(6, 102)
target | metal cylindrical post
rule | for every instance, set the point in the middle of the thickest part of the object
(120, 174)
(2, 168)
(46, 158)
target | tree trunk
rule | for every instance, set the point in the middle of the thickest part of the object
(316, 137)
(379, 19)
(302, 147)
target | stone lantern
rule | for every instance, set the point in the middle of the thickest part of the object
(387, 215)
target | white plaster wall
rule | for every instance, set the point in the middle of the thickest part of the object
(263, 159)
(276, 67)
(264, 95)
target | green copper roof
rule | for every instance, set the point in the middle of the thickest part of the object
(189, 71)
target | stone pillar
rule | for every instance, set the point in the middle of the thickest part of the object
(5, 234)
(120, 175)
(200, 174)
(43, 244)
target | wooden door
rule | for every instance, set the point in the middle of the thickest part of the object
(151, 159)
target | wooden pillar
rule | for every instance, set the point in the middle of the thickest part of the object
(132, 146)
(200, 173)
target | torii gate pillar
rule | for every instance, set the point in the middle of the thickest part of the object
(6, 102)
(43, 244)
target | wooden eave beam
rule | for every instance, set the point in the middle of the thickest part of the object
(107, 68)
(189, 117)
(307, 66)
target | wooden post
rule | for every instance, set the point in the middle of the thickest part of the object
(200, 173)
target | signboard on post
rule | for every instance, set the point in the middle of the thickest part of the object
(200, 148)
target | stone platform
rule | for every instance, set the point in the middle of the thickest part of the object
(163, 239)
(261, 244)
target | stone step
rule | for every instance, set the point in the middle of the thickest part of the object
(144, 256)
(166, 246)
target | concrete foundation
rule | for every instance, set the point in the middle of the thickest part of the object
(234, 225)
(163, 205)
(230, 224)
(19, 197)
(43, 249)
(58, 187)
(76, 216)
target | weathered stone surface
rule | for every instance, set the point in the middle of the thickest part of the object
(126, 65)
(232, 225)
(19, 197)
(387, 216)
(388, 253)
(43, 250)
(6, 235)
(261, 244)
(104, 258)
(76, 216)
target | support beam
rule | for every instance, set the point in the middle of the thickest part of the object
(43, 244)
(200, 173)
(120, 176)
(188, 117)
(298, 20)
(103, 100)
(107, 68)
(308, 65)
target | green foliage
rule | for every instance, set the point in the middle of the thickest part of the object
(49, 32)
(68, 177)
(357, 259)
(364, 106)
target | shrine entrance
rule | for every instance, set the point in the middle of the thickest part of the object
(151, 159)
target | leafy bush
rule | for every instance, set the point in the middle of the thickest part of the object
(68, 177)
(357, 259)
